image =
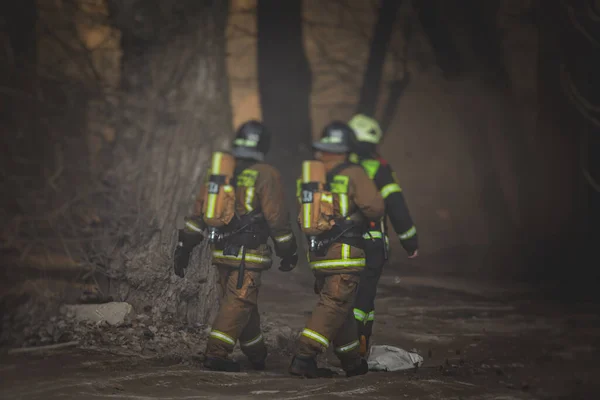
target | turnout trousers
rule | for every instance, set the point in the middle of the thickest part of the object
(238, 317)
(364, 306)
(332, 321)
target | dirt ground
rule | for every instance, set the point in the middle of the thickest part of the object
(479, 341)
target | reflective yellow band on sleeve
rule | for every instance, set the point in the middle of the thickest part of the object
(348, 347)
(284, 238)
(252, 342)
(317, 337)
(359, 315)
(222, 337)
(409, 233)
(389, 189)
(350, 263)
(193, 226)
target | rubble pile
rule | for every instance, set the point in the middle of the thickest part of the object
(115, 327)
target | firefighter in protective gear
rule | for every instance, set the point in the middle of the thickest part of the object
(368, 136)
(337, 266)
(242, 254)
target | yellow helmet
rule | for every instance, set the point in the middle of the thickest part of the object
(366, 129)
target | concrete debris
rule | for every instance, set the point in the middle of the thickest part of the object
(114, 313)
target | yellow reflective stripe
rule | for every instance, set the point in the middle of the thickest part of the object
(348, 347)
(252, 342)
(371, 316)
(343, 204)
(222, 337)
(306, 207)
(212, 197)
(389, 189)
(284, 238)
(352, 262)
(345, 251)
(373, 235)
(192, 226)
(249, 198)
(409, 233)
(359, 315)
(216, 163)
(326, 198)
(218, 254)
(317, 337)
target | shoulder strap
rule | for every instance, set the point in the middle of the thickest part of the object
(337, 169)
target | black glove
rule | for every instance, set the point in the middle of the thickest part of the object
(185, 244)
(181, 259)
(288, 263)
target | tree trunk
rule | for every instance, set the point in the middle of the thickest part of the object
(382, 35)
(284, 82)
(174, 111)
(436, 28)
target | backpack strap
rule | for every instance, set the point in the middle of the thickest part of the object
(336, 170)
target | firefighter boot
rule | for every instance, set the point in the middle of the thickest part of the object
(259, 363)
(361, 369)
(305, 367)
(221, 364)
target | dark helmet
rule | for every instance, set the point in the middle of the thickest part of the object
(252, 140)
(337, 137)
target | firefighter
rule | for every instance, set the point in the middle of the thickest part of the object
(241, 251)
(337, 257)
(368, 136)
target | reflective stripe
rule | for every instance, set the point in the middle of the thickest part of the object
(348, 347)
(409, 233)
(245, 142)
(249, 198)
(352, 262)
(212, 197)
(373, 235)
(306, 207)
(192, 226)
(316, 337)
(345, 251)
(252, 342)
(371, 316)
(343, 204)
(218, 254)
(359, 315)
(389, 189)
(222, 337)
(284, 238)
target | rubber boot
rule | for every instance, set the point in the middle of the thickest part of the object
(258, 360)
(303, 366)
(222, 364)
(361, 369)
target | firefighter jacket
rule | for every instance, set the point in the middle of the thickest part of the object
(395, 205)
(258, 192)
(359, 200)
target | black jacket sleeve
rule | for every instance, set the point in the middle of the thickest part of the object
(396, 208)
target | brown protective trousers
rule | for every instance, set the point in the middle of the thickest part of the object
(238, 317)
(332, 320)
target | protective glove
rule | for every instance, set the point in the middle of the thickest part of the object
(288, 263)
(181, 259)
(186, 242)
